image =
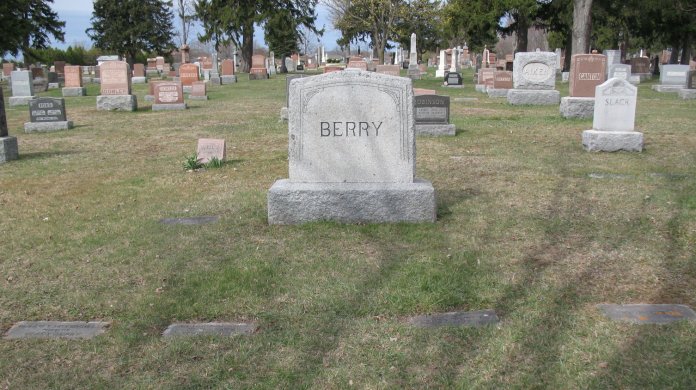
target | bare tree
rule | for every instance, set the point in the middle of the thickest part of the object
(186, 16)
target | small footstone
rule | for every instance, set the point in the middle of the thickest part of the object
(225, 329)
(189, 221)
(595, 175)
(461, 318)
(56, 330)
(648, 313)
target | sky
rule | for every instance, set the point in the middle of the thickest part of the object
(77, 13)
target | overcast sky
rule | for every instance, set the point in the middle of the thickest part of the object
(76, 15)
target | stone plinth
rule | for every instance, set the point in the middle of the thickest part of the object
(436, 130)
(228, 79)
(497, 93)
(139, 80)
(117, 103)
(667, 88)
(194, 97)
(8, 149)
(294, 203)
(46, 127)
(577, 107)
(74, 91)
(532, 97)
(20, 100)
(169, 107)
(481, 88)
(612, 141)
(687, 94)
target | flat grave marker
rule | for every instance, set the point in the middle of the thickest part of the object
(189, 220)
(471, 318)
(224, 329)
(648, 313)
(56, 330)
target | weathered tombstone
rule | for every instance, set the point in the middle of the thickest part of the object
(8, 145)
(258, 67)
(502, 81)
(587, 71)
(224, 329)
(284, 110)
(199, 91)
(672, 78)
(357, 63)
(351, 153)
(7, 69)
(641, 67)
(150, 97)
(53, 80)
(614, 119)
(169, 95)
(648, 313)
(139, 74)
(440, 72)
(413, 71)
(290, 64)
(22, 88)
(392, 70)
(188, 74)
(73, 81)
(228, 76)
(116, 88)
(486, 77)
(431, 113)
(613, 58)
(534, 79)
(56, 330)
(329, 69)
(690, 91)
(471, 318)
(209, 148)
(47, 114)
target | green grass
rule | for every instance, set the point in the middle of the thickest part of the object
(522, 228)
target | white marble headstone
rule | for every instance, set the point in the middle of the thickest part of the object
(534, 70)
(615, 106)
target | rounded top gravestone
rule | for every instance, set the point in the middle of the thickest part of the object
(615, 106)
(534, 70)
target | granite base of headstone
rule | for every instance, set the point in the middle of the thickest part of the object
(117, 103)
(519, 97)
(667, 88)
(614, 119)
(195, 97)
(8, 149)
(20, 100)
(687, 94)
(169, 107)
(47, 127)
(74, 91)
(139, 80)
(577, 107)
(481, 88)
(224, 80)
(497, 93)
(53, 85)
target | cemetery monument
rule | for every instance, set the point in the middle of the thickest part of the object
(8, 145)
(47, 114)
(534, 79)
(587, 71)
(116, 88)
(22, 85)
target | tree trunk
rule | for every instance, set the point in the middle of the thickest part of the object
(522, 31)
(568, 51)
(674, 57)
(247, 46)
(686, 50)
(582, 26)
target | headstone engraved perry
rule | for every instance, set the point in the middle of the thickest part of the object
(351, 153)
(56, 330)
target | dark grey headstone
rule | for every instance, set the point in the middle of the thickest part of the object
(431, 109)
(56, 330)
(453, 78)
(52, 77)
(287, 86)
(225, 329)
(189, 220)
(648, 313)
(300, 67)
(47, 109)
(463, 318)
(3, 117)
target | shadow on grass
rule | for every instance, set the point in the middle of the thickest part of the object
(40, 155)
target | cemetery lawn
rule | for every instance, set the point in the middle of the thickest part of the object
(529, 225)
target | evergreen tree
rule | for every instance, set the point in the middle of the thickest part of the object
(132, 26)
(27, 25)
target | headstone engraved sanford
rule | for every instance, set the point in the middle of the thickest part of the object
(672, 78)
(8, 145)
(115, 88)
(284, 110)
(199, 91)
(169, 95)
(209, 148)
(690, 91)
(258, 67)
(587, 71)
(499, 84)
(139, 74)
(413, 71)
(228, 76)
(534, 79)
(56, 330)
(351, 153)
(73, 81)
(432, 115)
(614, 119)
(188, 74)
(47, 114)
(22, 88)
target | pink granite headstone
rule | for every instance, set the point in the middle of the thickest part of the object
(209, 148)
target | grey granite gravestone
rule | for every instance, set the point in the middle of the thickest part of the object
(648, 313)
(672, 78)
(471, 318)
(614, 119)
(8, 145)
(690, 91)
(432, 115)
(56, 330)
(352, 153)
(613, 58)
(534, 79)
(225, 329)
(453, 79)
(22, 84)
(47, 114)
(284, 110)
